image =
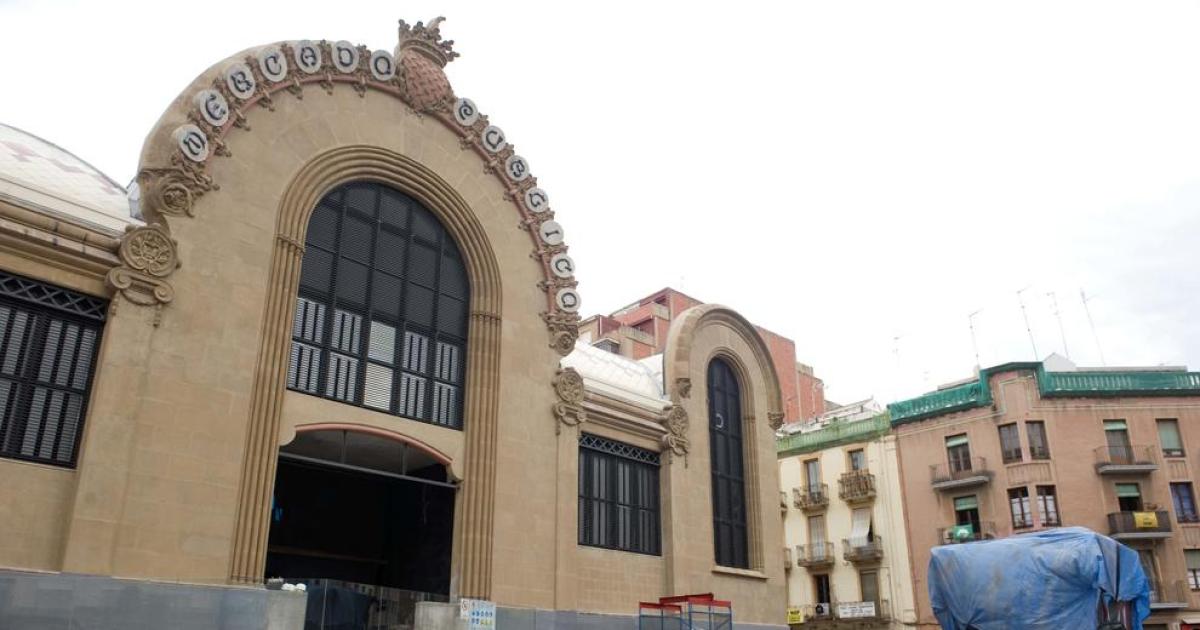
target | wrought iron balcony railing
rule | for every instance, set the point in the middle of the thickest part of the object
(857, 486)
(812, 497)
(1124, 460)
(815, 555)
(964, 473)
(862, 550)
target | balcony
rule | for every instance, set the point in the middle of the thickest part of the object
(962, 474)
(847, 614)
(1168, 595)
(1118, 383)
(788, 562)
(863, 551)
(1139, 525)
(1126, 460)
(857, 487)
(815, 555)
(782, 501)
(811, 498)
(966, 533)
(966, 396)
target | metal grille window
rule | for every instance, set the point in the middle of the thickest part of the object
(618, 496)
(49, 340)
(728, 475)
(381, 319)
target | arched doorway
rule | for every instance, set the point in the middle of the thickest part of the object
(366, 522)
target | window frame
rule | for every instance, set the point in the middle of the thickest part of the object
(644, 468)
(1026, 508)
(726, 444)
(1193, 575)
(1043, 505)
(862, 453)
(1159, 423)
(333, 354)
(1036, 454)
(1010, 453)
(1181, 515)
(45, 305)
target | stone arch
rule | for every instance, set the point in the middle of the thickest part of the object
(677, 365)
(176, 166)
(190, 154)
(395, 436)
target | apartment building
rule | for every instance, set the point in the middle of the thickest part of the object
(847, 553)
(1029, 446)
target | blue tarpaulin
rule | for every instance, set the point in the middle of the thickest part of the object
(1054, 579)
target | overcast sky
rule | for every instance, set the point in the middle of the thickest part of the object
(858, 176)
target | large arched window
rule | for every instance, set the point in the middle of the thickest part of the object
(381, 319)
(728, 475)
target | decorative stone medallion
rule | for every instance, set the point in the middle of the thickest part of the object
(568, 385)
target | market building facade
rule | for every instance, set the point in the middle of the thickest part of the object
(335, 341)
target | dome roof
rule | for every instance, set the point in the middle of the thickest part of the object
(638, 382)
(39, 175)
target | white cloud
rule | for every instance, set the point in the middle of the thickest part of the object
(843, 173)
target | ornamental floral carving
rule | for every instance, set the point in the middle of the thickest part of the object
(776, 419)
(568, 385)
(675, 421)
(414, 74)
(148, 255)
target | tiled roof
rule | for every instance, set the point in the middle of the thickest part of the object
(41, 176)
(638, 382)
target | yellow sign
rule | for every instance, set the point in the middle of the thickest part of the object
(1145, 520)
(795, 615)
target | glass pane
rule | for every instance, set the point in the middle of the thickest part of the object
(316, 272)
(447, 365)
(347, 328)
(445, 404)
(1168, 435)
(416, 352)
(383, 343)
(351, 284)
(389, 253)
(361, 198)
(378, 388)
(418, 305)
(422, 264)
(309, 321)
(356, 239)
(322, 228)
(412, 396)
(304, 368)
(342, 380)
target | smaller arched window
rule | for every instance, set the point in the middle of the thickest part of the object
(381, 319)
(728, 467)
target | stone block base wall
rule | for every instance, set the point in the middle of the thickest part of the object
(438, 616)
(64, 601)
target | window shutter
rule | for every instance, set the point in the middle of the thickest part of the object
(1114, 425)
(1168, 435)
(956, 440)
(966, 503)
(1193, 559)
(1128, 490)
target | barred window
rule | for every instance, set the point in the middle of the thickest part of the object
(381, 319)
(49, 340)
(728, 474)
(618, 496)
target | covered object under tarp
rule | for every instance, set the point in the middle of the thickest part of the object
(1054, 579)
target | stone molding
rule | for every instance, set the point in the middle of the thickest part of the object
(472, 563)
(174, 171)
(148, 256)
(569, 411)
(675, 421)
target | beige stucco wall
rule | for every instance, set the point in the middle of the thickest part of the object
(895, 582)
(1074, 428)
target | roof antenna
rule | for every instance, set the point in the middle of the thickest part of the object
(1085, 299)
(1058, 315)
(974, 343)
(1025, 315)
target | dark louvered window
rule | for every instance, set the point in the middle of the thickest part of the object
(49, 338)
(381, 320)
(618, 496)
(728, 476)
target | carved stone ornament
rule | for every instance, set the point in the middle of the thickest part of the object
(148, 256)
(568, 384)
(564, 330)
(776, 419)
(683, 385)
(415, 76)
(675, 420)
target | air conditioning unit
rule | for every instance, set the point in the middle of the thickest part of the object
(821, 610)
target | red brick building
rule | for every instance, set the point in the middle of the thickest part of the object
(640, 330)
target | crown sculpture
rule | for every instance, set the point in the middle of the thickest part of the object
(422, 54)
(427, 40)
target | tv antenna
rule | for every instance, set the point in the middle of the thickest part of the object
(1085, 299)
(1025, 316)
(1058, 315)
(974, 343)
